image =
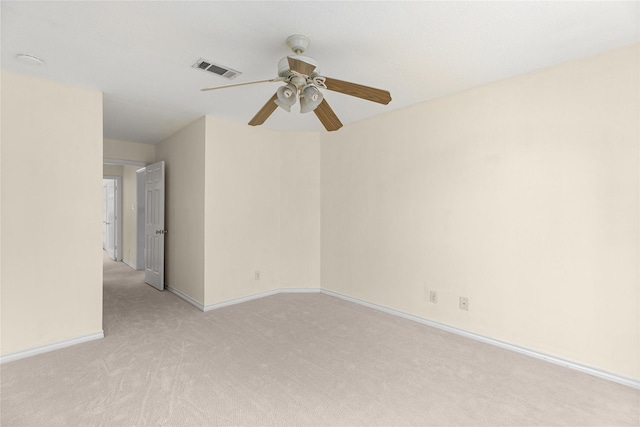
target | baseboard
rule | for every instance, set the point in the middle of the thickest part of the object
(124, 261)
(234, 301)
(260, 295)
(50, 347)
(630, 382)
(185, 297)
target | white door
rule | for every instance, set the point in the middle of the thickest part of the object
(154, 231)
(109, 217)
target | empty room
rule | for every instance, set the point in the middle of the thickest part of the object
(335, 213)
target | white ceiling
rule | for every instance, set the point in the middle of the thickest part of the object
(139, 53)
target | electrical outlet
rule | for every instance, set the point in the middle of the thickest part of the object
(257, 275)
(464, 303)
(433, 297)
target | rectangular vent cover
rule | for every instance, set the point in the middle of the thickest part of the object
(206, 65)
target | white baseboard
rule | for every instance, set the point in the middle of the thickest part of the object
(185, 297)
(238, 300)
(124, 261)
(522, 350)
(50, 347)
(260, 295)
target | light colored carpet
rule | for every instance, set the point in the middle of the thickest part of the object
(291, 360)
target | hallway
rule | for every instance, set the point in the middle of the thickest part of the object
(129, 302)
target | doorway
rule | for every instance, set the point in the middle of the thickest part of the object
(112, 216)
(133, 217)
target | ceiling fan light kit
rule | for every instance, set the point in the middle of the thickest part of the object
(286, 96)
(303, 82)
(310, 99)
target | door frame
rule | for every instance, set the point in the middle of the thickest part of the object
(140, 200)
(140, 220)
(118, 213)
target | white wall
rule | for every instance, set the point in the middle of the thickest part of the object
(184, 156)
(51, 212)
(521, 195)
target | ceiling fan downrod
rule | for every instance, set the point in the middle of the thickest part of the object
(298, 43)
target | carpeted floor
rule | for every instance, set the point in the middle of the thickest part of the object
(291, 360)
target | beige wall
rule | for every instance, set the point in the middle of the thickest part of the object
(184, 156)
(262, 210)
(300, 210)
(128, 150)
(112, 170)
(253, 195)
(520, 195)
(242, 210)
(51, 212)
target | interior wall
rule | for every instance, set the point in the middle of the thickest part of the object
(300, 210)
(262, 210)
(51, 267)
(242, 190)
(184, 156)
(112, 170)
(521, 195)
(128, 150)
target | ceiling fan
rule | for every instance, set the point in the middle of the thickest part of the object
(303, 83)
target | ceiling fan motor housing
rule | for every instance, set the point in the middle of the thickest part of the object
(285, 71)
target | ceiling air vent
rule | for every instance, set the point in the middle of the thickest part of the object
(206, 65)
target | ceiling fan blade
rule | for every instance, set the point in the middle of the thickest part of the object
(279, 79)
(365, 92)
(264, 113)
(300, 66)
(328, 118)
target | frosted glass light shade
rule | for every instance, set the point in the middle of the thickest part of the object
(310, 99)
